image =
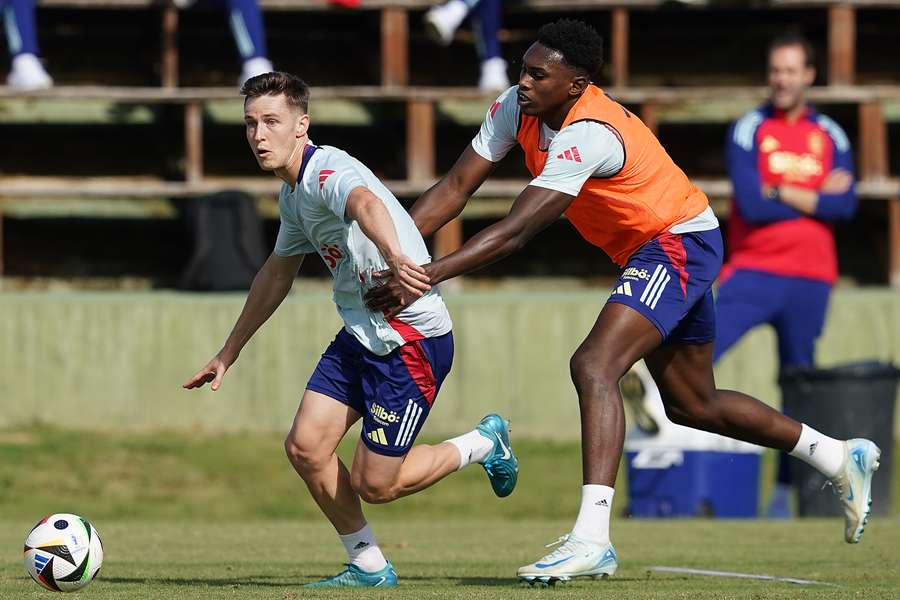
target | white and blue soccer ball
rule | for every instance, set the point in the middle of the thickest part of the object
(63, 552)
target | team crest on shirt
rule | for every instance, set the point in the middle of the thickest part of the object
(769, 144)
(816, 143)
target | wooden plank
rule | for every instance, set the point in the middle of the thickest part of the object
(873, 147)
(520, 5)
(169, 58)
(449, 238)
(619, 47)
(894, 240)
(420, 140)
(49, 188)
(193, 142)
(394, 42)
(629, 95)
(649, 116)
(841, 44)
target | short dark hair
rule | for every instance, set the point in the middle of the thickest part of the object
(792, 38)
(275, 83)
(579, 43)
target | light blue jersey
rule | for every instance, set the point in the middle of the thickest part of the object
(313, 220)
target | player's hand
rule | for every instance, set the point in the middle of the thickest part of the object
(409, 275)
(837, 181)
(214, 371)
(391, 297)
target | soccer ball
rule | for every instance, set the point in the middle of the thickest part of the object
(63, 552)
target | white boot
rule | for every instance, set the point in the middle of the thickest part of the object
(28, 73)
(255, 66)
(493, 75)
(442, 21)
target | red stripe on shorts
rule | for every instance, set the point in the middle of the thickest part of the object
(419, 369)
(674, 249)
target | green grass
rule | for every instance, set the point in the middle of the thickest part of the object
(225, 517)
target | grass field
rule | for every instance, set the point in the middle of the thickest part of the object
(224, 517)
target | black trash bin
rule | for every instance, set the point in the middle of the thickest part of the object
(847, 401)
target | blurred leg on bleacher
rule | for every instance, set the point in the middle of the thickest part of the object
(247, 27)
(443, 20)
(26, 72)
(246, 23)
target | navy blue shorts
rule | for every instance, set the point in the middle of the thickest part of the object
(669, 281)
(393, 393)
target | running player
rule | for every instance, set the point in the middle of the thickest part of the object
(598, 164)
(385, 371)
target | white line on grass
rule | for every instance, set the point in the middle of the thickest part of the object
(687, 571)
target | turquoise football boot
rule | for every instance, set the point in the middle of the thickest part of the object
(353, 576)
(501, 465)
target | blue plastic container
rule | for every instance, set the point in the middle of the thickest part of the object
(695, 483)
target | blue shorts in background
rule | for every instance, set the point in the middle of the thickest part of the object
(669, 281)
(393, 393)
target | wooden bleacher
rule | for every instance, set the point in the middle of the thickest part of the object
(420, 102)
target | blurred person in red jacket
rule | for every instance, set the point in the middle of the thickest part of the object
(792, 172)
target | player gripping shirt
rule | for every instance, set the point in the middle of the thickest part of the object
(631, 201)
(402, 381)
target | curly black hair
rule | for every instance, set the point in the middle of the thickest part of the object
(579, 43)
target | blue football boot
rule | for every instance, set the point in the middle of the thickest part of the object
(501, 465)
(353, 576)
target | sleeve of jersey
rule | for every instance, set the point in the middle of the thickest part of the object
(337, 178)
(497, 135)
(836, 207)
(291, 239)
(741, 156)
(580, 151)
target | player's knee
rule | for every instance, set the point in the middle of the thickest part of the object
(372, 492)
(590, 375)
(678, 416)
(305, 456)
(691, 414)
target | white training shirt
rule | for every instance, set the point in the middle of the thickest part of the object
(600, 153)
(313, 220)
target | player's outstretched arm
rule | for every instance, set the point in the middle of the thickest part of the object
(533, 210)
(445, 200)
(270, 286)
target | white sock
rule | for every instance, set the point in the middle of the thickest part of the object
(821, 452)
(473, 447)
(363, 550)
(593, 517)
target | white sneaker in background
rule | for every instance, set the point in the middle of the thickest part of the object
(442, 21)
(493, 76)
(28, 73)
(255, 66)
